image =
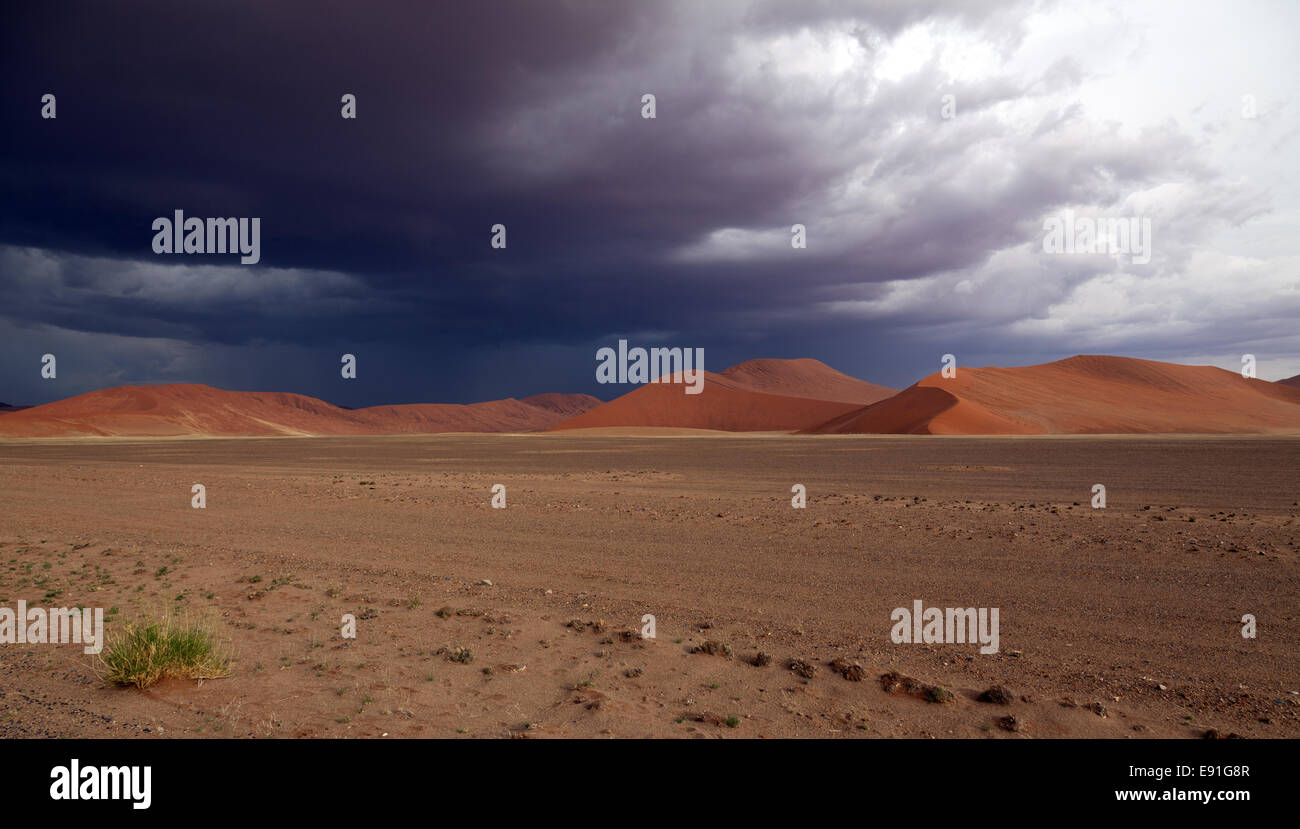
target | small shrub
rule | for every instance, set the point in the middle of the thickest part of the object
(145, 653)
(803, 668)
(712, 647)
(462, 655)
(851, 671)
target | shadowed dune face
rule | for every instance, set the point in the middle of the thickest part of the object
(717, 407)
(756, 396)
(1082, 395)
(918, 411)
(568, 405)
(1291, 381)
(191, 409)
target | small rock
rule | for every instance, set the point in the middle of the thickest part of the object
(997, 695)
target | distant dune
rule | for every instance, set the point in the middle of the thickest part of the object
(755, 396)
(191, 409)
(1081, 395)
(6, 407)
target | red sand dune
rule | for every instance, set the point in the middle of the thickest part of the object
(801, 378)
(1081, 395)
(755, 396)
(191, 409)
(1291, 381)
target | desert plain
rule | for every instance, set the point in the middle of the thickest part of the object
(1122, 622)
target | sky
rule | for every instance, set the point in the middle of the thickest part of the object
(922, 145)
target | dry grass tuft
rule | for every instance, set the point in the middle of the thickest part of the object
(144, 653)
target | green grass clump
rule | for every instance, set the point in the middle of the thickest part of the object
(142, 654)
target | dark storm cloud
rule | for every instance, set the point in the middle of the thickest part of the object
(528, 114)
(467, 118)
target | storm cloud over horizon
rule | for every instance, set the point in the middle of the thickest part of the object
(924, 213)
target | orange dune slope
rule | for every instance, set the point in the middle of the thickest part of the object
(1086, 394)
(192, 409)
(801, 378)
(755, 396)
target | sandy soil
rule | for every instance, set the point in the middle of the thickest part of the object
(1117, 622)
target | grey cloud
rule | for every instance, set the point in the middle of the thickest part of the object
(528, 114)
